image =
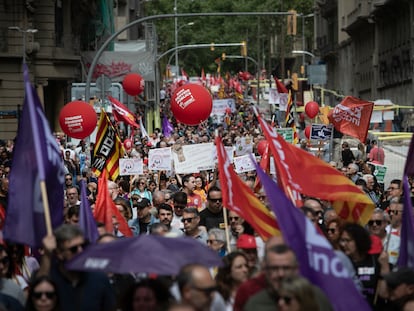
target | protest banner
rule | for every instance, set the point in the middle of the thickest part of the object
(131, 166)
(160, 159)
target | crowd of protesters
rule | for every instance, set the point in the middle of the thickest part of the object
(255, 274)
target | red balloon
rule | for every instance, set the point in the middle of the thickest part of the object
(128, 144)
(77, 119)
(261, 147)
(133, 84)
(312, 109)
(191, 104)
(308, 131)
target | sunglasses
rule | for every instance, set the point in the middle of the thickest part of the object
(190, 219)
(5, 260)
(206, 290)
(395, 212)
(376, 222)
(286, 299)
(68, 178)
(234, 218)
(49, 295)
(331, 230)
(216, 200)
(74, 249)
(212, 241)
(179, 206)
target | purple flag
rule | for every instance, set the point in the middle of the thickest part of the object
(406, 256)
(86, 221)
(409, 163)
(317, 260)
(36, 158)
(167, 127)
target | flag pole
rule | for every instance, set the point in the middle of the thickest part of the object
(226, 229)
(46, 207)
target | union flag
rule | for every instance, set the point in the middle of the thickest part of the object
(108, 148)
(299, 172)
(122, 113)
(352, 117)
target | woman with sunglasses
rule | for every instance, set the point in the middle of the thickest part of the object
(42, 295)
(297, 294)
(141, 189)
(333, 232)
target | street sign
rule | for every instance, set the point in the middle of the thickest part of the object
(321, 132)
(286, 133)
(12, 114)
(317, 74)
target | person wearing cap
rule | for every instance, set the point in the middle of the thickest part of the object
(247, 244)
(399, 284)
(142, 224)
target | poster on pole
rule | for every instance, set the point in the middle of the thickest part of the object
(243, 146)
(379, 171)
(160, 159)
(286, 133)
(244, 164)
(219, 109)
(192, 158)
(130, 166)
(321, 132)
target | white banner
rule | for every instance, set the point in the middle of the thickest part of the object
(229, 151)
(130, 166)
(219, 109)
(193, 158)
(244, 164)
(244, 146)
(160, 159)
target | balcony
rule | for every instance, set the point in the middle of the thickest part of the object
(361, 12)
(327, 8)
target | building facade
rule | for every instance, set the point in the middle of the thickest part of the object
(54, 35)
(368, 46)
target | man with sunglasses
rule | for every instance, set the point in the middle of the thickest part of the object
(179, 204)
(212, 216)
(390, 242)
(81, 291)
(191, 220)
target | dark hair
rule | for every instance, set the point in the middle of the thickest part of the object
(161, 293)
(224, 280)
(73, 211)
(191, 210)
(361, 237)
(180, 197)
(186, 178)
(361, 182)
(35, 282)
(211, 189)
(165, 206)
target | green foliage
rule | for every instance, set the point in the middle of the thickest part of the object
(256, 31)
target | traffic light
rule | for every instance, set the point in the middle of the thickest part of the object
(291, 22)
(243, 51)
(223, 56)
(212, 46)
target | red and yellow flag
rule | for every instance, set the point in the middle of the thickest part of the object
(299, 172)
(108, 148)
(239, 198)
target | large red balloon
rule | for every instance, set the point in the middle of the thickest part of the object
(308, 131)
(191, 104)
(77, 119)
(261, 147)
(133, 84)
(312, 109)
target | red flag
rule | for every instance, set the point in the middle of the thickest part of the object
(299, 172)
(352, 117)
(203, 75)
(238, 197)
(105, 209)
(121, 113)
(265, 165)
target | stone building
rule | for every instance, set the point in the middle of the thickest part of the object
(368, 46)
(55, 35)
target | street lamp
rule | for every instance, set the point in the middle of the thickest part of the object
(304, 53)
(177, 30)
(303, 35)
(24, 32)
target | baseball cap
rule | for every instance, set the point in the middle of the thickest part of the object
(246, 241)
(401, 276)
(142, 203)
